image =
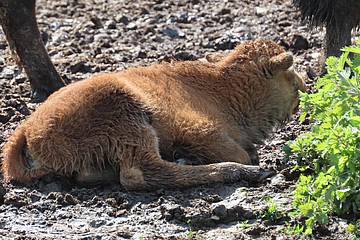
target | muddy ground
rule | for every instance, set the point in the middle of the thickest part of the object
(85, 37)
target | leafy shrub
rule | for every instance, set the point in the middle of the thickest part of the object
(331, 150)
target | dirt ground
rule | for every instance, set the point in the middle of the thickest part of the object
(85, 37)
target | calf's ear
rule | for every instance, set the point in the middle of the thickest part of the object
(215, 57)
(281, 62)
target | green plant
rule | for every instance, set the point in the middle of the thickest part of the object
(191, 234)
(354, 228)
(272, 212)
(332, 148)
(244, 224)
(294, 230)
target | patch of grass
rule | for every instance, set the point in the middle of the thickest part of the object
(294, 230)
(272, 213)
(192, 233)
(244, 224)
(331, 150)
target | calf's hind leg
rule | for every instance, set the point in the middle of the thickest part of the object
(96, 176)
(141, 168)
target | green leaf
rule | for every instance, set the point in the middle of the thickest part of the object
(351, 49)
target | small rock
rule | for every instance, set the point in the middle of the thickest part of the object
(3, 46)
(23, 109)
(97, 223)
(299, 42)
(311, 73)
(60, 199)
(118, 213)
(278, 142)
(290, 174)
(284, 23)
(69, 199)
(185, 56)
(212, 198)
(13, 102)
(6, 114)
(261, 11)
(111, 201)
(131, 26)
(278, 179)
(228, 41)
(173, 32)
(8, 73)
(142, 54)
(215, 218)
(226, 19)
(16, 118)
(101, 37)
(122, 19)
(220, 210)
(20, 79)
(81, 66)
(144, 11)
(34, 196)
(231, 210)
(111, 24)
(157, 39)
(200, 219)
(124, 233)
(149, 29)
(96, 21)
(183, 18)
(15, 201)
(256, 230)
(224, 11)
(316, 55)
(172, 211)
(51, 196)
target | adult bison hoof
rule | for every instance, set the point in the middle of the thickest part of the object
(39, 95)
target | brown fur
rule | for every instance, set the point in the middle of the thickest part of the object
(210, 112)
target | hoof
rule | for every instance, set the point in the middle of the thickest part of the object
(39, 95)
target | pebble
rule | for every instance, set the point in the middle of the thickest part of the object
(6, 114)
(122, 19)
(299, 42)
(131, 26)
(69, 199)
(220, 210)
(261, 11)
(173, 32)
(111, 24)
(20, 79)
(97, 223)
(81, 67)
(8, 73)
(278, 179)
(224, 11)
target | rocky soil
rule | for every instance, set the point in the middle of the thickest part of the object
(85, 37)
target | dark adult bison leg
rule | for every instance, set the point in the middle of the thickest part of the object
(18, 21)
(336, 39)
